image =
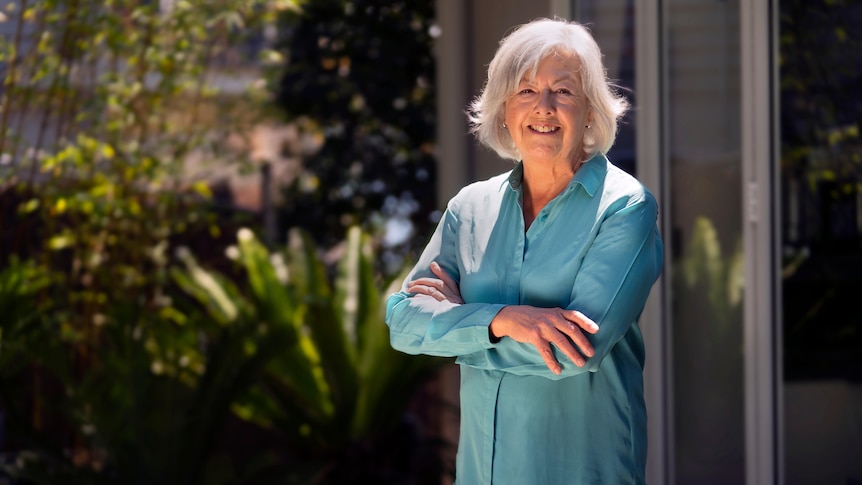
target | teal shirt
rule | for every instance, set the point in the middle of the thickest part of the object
(594, 248)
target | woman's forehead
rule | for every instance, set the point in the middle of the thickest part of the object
(565, 67)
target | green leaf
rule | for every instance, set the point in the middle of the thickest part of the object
(278, 308)
(215, 294)
(30, 206)
(61, 241)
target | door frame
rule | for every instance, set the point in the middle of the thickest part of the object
(762, 334)
(761, 313)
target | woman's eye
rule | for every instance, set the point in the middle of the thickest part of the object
(525, 91)
(564, 91)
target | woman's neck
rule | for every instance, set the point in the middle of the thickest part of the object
(541, 184)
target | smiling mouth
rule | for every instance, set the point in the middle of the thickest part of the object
(544, 129)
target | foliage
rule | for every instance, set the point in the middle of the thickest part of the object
(145, 406)
(305, 363)
(360, 75)
(337, 395)
(817, 66)
(708, 290)
(720, 277)
(821, 182)
(820, 67)
(103, 106)
(123, 360)
(20, 284)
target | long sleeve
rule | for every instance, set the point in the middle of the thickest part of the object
(419, 324)
(611, 287)
(595, 248)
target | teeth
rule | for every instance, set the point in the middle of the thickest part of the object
(544, 129)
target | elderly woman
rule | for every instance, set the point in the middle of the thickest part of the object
(535, 279)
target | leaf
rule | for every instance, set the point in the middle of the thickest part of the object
(203, 189)
(278, 308)
(30, 206)
(214, 294)
(61, 241)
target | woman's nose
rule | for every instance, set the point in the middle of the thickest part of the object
(545, 103)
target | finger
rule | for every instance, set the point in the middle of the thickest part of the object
(581, 320)
(442, 274)
(414, 287)
(448, 282)
(426, 290)
(578, 338)
(450, 287)
(430, 282)
(548, 357)
(569, 350)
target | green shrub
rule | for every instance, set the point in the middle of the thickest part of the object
(331, 388)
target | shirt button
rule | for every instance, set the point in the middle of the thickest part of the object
(544, 217)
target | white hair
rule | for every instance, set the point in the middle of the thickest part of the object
(522, 50)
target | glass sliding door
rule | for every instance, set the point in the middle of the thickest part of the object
(629, 32)
(704, 146)
(612, 24)
(820, 111)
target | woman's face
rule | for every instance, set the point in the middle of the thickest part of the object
(546, 116)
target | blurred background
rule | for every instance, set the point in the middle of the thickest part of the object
(203, 205)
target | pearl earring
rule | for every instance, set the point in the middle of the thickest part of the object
(505, 125)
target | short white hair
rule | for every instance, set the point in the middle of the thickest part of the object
(522, 50)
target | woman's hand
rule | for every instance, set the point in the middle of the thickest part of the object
(442, 289)
(542, 327)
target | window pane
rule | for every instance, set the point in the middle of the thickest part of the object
(820, 66)
(703, 110)
(612, 25)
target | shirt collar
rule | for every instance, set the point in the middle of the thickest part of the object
(589, 175)
(516, 177)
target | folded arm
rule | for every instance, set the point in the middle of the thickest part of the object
(429, 317)
(539, 327)
(610, 288)
(421, 323)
